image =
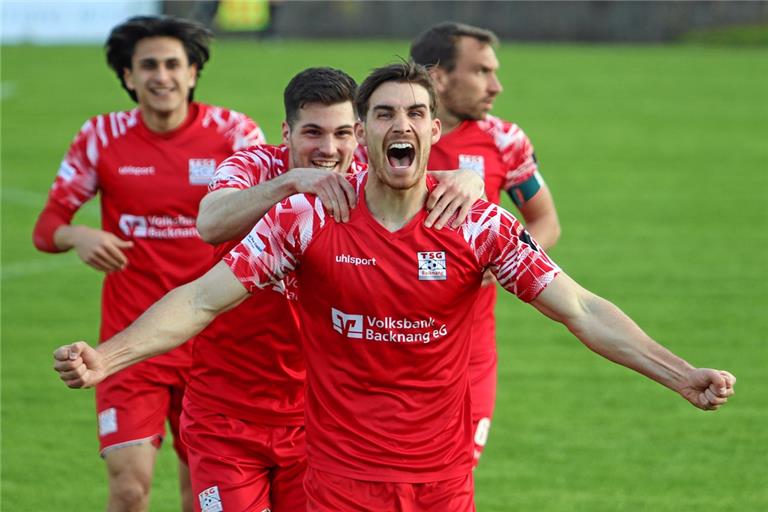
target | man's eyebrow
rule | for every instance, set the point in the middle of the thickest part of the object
(318, 127)
(415, 106)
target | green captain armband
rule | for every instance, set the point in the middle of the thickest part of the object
(522, 192)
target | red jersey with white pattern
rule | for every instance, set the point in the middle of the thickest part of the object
(150, 185)
(386, 320)
(248, 363)
(503, 155)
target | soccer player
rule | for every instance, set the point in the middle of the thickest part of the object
(463, 65)
(386, 307)
(243, 418)
(151, 166)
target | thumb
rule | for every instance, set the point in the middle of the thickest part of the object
(76, 350)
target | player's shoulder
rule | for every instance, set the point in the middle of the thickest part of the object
(504, 133)
(486, 215)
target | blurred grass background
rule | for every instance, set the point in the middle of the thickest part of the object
(658, 160)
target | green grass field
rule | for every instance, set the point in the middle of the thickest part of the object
(658, 160)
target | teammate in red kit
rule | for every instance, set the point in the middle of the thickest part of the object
(387, 404)
(151, 166)
(243, 420)
(463, 65)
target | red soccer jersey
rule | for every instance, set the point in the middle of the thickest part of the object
(248, 363)
(497, 150)
(386, 320)
(150, 186)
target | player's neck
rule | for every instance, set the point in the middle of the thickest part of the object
(394, 208)
(163, 122)
(448, 121)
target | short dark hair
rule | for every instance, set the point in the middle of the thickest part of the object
(402, 72)
(437, 45)
(122, 41)
(327, 86)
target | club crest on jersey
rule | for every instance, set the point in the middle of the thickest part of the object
(474, 163)
(201, 170)
(210, 500)
(432, 266)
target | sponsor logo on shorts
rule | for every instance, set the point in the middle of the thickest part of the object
(432, 266)
(157, 226)
(474, 163)
(201, 170)
(387, 329)
(107, 421)
(354, 260)
(210, 501)
(130, 170)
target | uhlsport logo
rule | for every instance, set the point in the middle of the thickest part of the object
(201, 170)
(474, 163)
(350, 326)
(432, 266)
(387, 329)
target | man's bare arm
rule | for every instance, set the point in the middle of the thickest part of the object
(606, 330)
(541, 219)
(179, 315)
(229, 213)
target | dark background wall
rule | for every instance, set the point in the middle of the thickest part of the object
(612, 21)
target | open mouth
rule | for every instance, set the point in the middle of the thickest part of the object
(400, 154)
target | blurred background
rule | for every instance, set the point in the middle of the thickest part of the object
(650, 122)
(73, 21)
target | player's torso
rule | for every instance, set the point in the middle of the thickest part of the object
(388, 355)
(151, 186)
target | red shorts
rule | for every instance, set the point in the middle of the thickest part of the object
(242, 465)
(133, 404)
(327, 492)
(482, 384)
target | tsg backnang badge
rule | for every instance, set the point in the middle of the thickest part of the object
(432, 266)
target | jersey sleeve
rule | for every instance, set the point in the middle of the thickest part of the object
(502, 245)
(76, 182)
(516, 152)
(274, 247)
(247, 132)
(245, 169)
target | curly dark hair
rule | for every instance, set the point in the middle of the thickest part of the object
(122, 41)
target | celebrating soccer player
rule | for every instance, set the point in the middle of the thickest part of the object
(151, 166)
(463, 65)
(386, 307)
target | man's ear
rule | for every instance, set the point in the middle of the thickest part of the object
(437, 130)
(439, 78)
(285, 130)
(360, 133)
(128, 79)
(192, 75)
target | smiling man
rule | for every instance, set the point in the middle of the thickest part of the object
(387, 343)
(150, 166)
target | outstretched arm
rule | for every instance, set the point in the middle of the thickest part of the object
(230, 213)
(171, 321)
(605, 329)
